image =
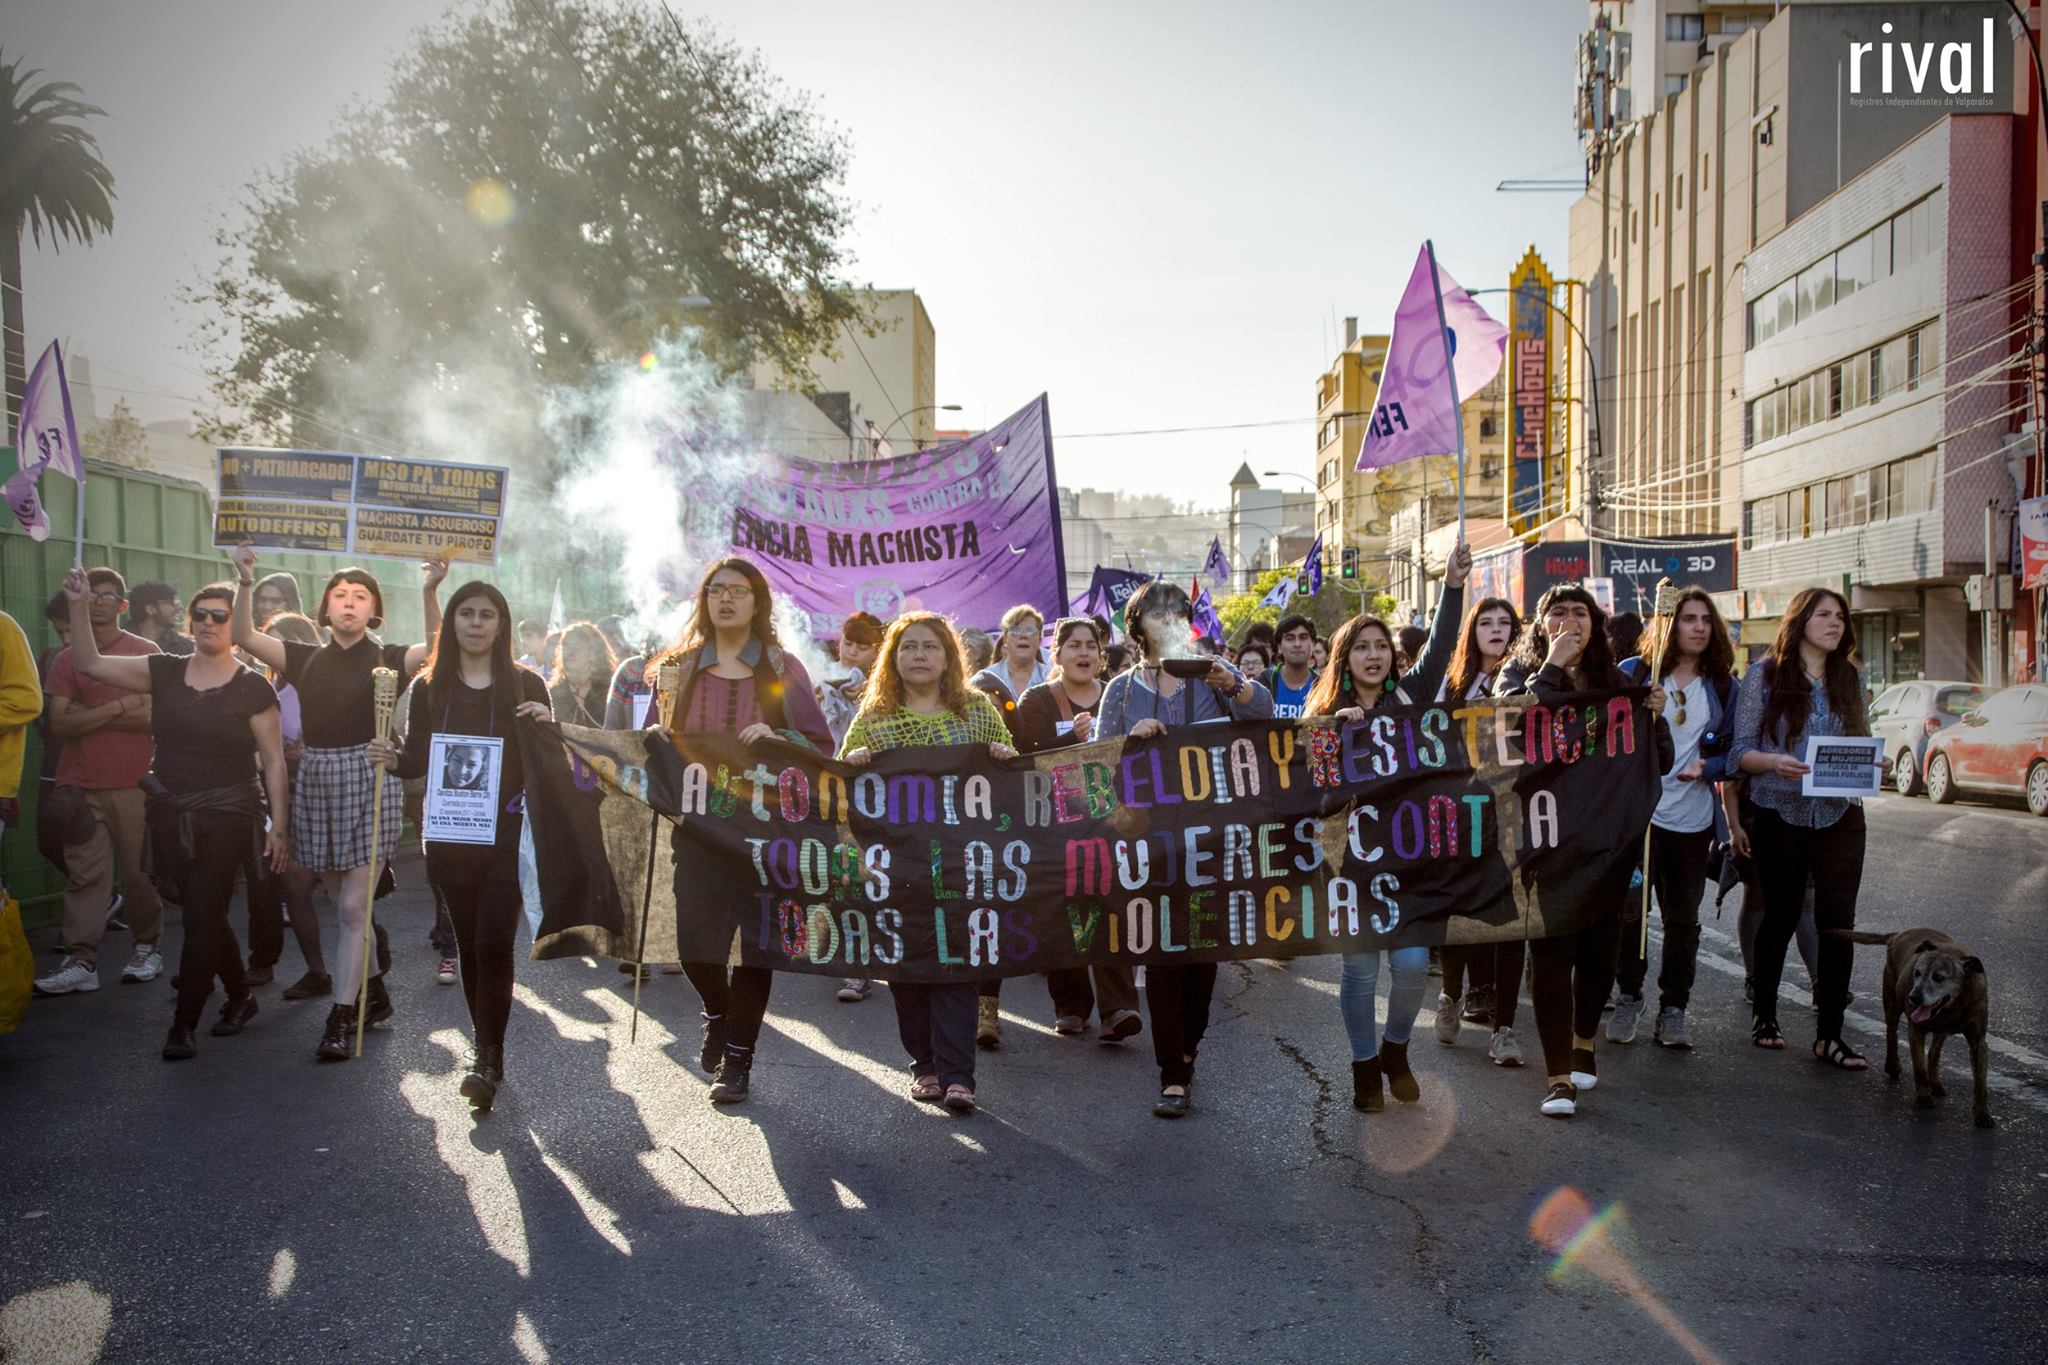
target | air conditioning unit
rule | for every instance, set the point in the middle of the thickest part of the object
(1991, 592)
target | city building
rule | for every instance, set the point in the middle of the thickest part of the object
(1638, 53)
(877, 387)
(1145, 531)
(1693, 212)
(1267, 528)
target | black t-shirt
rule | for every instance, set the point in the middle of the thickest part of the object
(204, 739)
(473, 711)
(336, 699)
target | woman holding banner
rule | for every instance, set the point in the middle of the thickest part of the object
(918, 697)
(1566, 651)
(1359, 678)
(1142, 703)
(1809, 685)
(331, 803)
(212, 718)
(733, 678)
(470, 694)
(1491, 627)
(1057, 714)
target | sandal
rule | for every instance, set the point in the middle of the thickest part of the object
(960, 1099)
(1835, 1052)
(926, 1089)
(1764, 1033)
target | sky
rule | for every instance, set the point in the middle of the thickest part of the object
(1157, 213)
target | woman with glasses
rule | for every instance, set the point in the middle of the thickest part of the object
(735, 678)
(212, 718)
(1019, 664)
(1361, 678)
(918, 697)
(332, 801)
(1697, 660)
(1149, 701)
(1058, 714)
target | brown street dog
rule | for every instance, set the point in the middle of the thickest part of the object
(1939, 986)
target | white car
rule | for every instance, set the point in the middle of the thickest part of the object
(1906, 715)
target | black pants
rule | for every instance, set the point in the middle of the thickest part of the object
(1786, 856)
(486, 923)
(1572, 975)
(936, 1024)
(1678, 877)
(444, 937)
(1108, 990)
(220, 846)
(1508, 960)
(1178, 1000)
(738, 995)
(1463, 962)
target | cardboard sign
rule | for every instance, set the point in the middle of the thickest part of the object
(358, 504)
(1843, 765)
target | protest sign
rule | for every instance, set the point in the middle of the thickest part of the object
(462, 789)
(358, 504)
(1461, 823)
(1843, 765)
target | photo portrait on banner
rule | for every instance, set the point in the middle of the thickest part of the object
(462, 789)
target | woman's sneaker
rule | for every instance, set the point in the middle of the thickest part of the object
(854, 989)
(72, 975)
(145, 965)
(1446, 1020)
(1504, 1050)
(1562, 1102)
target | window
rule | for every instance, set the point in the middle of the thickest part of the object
(1656, 209)
(1928, 338)
(1852, 267)
(1706, 159)
(1674, 85)
(1684, 28)
(1892, 365)
(1634, 214)
(1486, 426)
(1783, 297)
(1816, 288)
(1855, 382)
(1860, 499)
(1678, 196)
(1834, 388)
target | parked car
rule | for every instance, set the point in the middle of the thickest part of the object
(2002, 747)
(1906, 715)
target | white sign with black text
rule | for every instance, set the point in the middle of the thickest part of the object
(463, 772)
(1843, 765)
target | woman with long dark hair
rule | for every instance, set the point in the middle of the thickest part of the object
(332, 800)
(1566, 650)
(1057, 714)
(1810, 685)
(470, 695)
(1143, 702)
(1491, 627)
(1697, 661)
(1359, 678)
(735, 679)
(211, 718)
(582, 671)
(918, 697)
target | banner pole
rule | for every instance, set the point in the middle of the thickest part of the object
(1443, 332)
(640, 953)
(78, 524)
(1661, 609)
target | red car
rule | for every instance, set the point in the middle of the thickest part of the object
(2000, 747)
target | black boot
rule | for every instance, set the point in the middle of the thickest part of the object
(235, 1015)
(1400, 1080)
(380, 1002)
(1365, 1086)
(480, 1086)
(733, 1075)
(714, 1043)
(310, 986)
(338, 1043)
(180, 1043)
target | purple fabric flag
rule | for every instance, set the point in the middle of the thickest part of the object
(1414, 414)
(1313, 565)
(967, 529)
(1281, 594)
(1203, 611)
(45, 438)
(1217, 566)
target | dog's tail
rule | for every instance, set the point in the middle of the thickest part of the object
(1859, 936)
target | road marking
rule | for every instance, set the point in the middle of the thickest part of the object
(2026, 1089)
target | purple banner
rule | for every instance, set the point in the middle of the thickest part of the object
(968, 529)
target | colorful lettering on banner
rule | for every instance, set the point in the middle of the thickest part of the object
(1466, 823)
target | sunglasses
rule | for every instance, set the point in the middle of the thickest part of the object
(1679, 697)
(218, 615)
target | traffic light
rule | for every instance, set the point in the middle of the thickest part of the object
(1350, 569)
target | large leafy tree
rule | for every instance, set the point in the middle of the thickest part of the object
(52, 185)
(549, 184)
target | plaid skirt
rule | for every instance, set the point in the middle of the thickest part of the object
(331, 811)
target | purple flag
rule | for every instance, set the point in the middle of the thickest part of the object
(1203, 611)
(1280, 594)
(1313, 565)
(1217, 566)
(968, 529)
(1414, 414)
(45, 438)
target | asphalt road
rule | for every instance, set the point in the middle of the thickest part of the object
(252, 1204)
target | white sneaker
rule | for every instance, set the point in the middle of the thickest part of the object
(1504, 1050)
(73, 975)
(854, 989)
(1561, 1102)
(1447, 1023)
(144, 966)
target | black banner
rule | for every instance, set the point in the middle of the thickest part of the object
(1442, 824)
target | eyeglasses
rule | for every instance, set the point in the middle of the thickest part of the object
(729, 592)
(218, 615)
(107, 595)
(1023, 632)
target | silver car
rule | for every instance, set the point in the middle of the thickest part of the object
(1905, 715)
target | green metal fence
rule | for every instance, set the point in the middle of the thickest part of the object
(147, 526)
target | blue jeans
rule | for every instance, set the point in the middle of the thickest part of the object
(1360, 983)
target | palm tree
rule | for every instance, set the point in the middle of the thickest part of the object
(51, 180)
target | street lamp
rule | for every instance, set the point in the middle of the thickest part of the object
(929, 407)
